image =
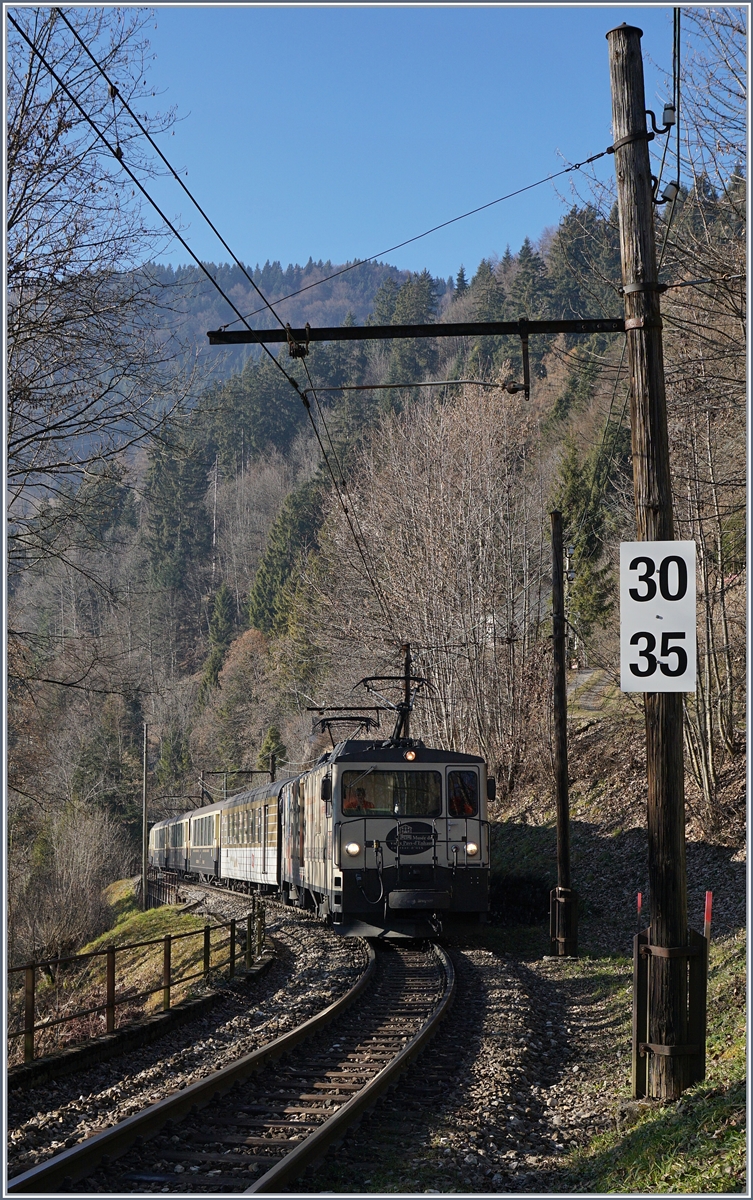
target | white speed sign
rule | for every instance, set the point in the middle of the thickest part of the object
(657, 617)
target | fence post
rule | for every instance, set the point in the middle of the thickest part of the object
(207, 947)
(110, 999)
(29, 1015)
(259, 929)
(249, 941)
(232, 948)
(166, 974)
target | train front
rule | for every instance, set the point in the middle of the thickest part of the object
(410, 839)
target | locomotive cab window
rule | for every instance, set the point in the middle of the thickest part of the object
(462, 793)
(392, 793)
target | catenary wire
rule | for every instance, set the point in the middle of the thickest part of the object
(362, 546)
(169, 166)
(267, 305)
(35, 49)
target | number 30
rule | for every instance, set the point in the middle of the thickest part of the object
(650, 570)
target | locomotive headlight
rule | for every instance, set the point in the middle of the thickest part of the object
(353, 849)
(410, 755)
(471, 848)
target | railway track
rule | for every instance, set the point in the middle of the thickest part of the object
(256, 1124)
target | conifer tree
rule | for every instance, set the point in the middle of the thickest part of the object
(272, 744)
(582, 494)
(292, 535)
(488, 298)
(528, 296)
(220, 636)
(415, 304)
(461, 283)
(384, 303)
(528, 292)
(178, 529)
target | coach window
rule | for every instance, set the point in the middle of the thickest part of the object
(462, 793)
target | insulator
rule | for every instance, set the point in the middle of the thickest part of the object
(671, 191)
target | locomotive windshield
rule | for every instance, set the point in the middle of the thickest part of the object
(462, 793)
(392, 793)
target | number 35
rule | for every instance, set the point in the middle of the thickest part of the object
(651, 662)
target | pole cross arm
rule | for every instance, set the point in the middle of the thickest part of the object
(367, 333)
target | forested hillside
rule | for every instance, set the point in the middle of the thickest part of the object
(194, 562)
(320, 293)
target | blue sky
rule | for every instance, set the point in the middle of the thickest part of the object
(338, 131)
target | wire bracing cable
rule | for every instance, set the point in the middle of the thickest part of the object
(676, 101)
(434, 229)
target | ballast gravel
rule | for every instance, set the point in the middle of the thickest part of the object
(517, 1076)
(312, 968)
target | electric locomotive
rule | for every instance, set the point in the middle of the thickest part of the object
(388, 839)
(383, 838)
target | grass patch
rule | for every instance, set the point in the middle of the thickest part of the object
(121, 899)
(697, 1145)
(78, 986)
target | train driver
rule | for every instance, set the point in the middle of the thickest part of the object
(355, 800)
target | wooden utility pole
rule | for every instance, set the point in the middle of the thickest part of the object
(144, 826)
(406, 691)
(668, 1032)
(563, 921)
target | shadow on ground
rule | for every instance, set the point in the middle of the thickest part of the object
(607, 870)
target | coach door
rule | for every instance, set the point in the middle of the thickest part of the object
(264, 816)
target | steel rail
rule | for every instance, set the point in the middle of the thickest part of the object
(66, 1168)
(316, 1143)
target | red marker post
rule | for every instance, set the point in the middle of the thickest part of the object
(707, 917)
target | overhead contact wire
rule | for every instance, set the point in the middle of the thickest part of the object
(294, 384)
(342, 483)
(35, 49)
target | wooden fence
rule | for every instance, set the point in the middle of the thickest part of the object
(26, 997)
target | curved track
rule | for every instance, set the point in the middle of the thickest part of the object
(267, 1120)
